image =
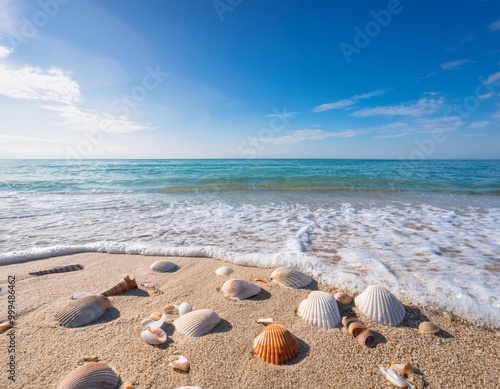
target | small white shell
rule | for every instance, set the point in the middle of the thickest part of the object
(154, 336)
(197, 323)
(395, 378)
(150, 320)
(290, 277)
(184, 308)
(90, 375)
(266, 321)
(224, 271)
(79, 295)
(163, 266)
(179, 362)
(154, 322)
(320, 309)
(239, 289)
(380, 305)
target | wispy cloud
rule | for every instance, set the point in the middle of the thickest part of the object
(349, 102)
(455, 65)
(424, 106)
(493, 78)
(7, 16)
(89, 120)
(4, 138)
(5, 51)
(479, 124)
(281, 115)
(495, 26)
(303, 135)
(34, 83)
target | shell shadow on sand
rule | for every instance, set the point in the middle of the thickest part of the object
(135, 292)
(109, 315)
(303, 353)
(222, 326)
(263, 295)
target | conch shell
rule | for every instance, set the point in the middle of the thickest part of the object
(122, 286)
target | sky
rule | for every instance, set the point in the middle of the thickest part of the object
(249, 79)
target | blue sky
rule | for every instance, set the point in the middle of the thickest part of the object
(249, 79)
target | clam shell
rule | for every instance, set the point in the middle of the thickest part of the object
(197, 323)
(163, 266)
(320, 309)
(380, 305)
(154, 336)
(290, 277)
(239, 289)
(224, 271)
(343, 298)
(83, 311)
(91, 375)
(276, 345)
(184, 308)
(428, 327)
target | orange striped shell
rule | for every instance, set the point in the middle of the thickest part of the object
(276, 345)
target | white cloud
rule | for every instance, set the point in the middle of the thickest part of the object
(486, 96)
(496, 115)
(281, 115)
(495, 26)
(479, 124)
(303, 135)
(424, 106)
(5, 138)
(389, 136)
(34, 83)
(455, 65)
(7, 16)
(493, 78)
(348, 102)
(89, 120)
(5, 51)
(444, 124)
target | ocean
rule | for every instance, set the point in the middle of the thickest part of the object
(427, 230)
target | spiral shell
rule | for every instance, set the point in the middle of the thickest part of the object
(239, 289)
(276, 345)
(91, 375)
(197, 323)
(290, 277)
(83, 311)
(122, 286)
(163, 266)
(60, 269)
(320, 309)
(224, 271)
(380, 305)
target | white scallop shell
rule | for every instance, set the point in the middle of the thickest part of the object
(380, 305)
(290, 277)
(224, 271)
(184, 308)
(83, 311)
(239, 289)
(197, 323)
(154, 336)
(163, 266)
(320, 309)
(90, 375)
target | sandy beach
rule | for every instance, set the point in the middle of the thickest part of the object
(461, 356)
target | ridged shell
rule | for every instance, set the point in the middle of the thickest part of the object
(320, 309)
(197, 323)
(290, 277)
(276, 345)
(224, 271)
(428, 327)
(163, 266)
(60, 269)
(83, 311)
(380, 305)
(239, 289)
(90, 376)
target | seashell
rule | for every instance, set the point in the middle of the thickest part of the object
(169, 308)
(380, 305)
(260, 279)
(266, 321)
(5, 326)
(343, 298)
(365, 337)
(83, 311)
(154, 336)
(122, 286)
(91, 375)
(163, 266)
(153, 287)
(59, 269)
(154, 321)
(402, 368)
(129, 386)
(79, 295)
(184, 308)
(290, 277)
(395, 378)
(197, 323)
(320, 309)
(179, 362)
(428, 327)
(239, 289)
(276, 345)
(346, 320)
(224, 271)
(356, 327)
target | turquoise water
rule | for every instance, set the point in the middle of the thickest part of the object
(427, 230)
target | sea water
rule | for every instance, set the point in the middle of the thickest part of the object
(427, 230)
